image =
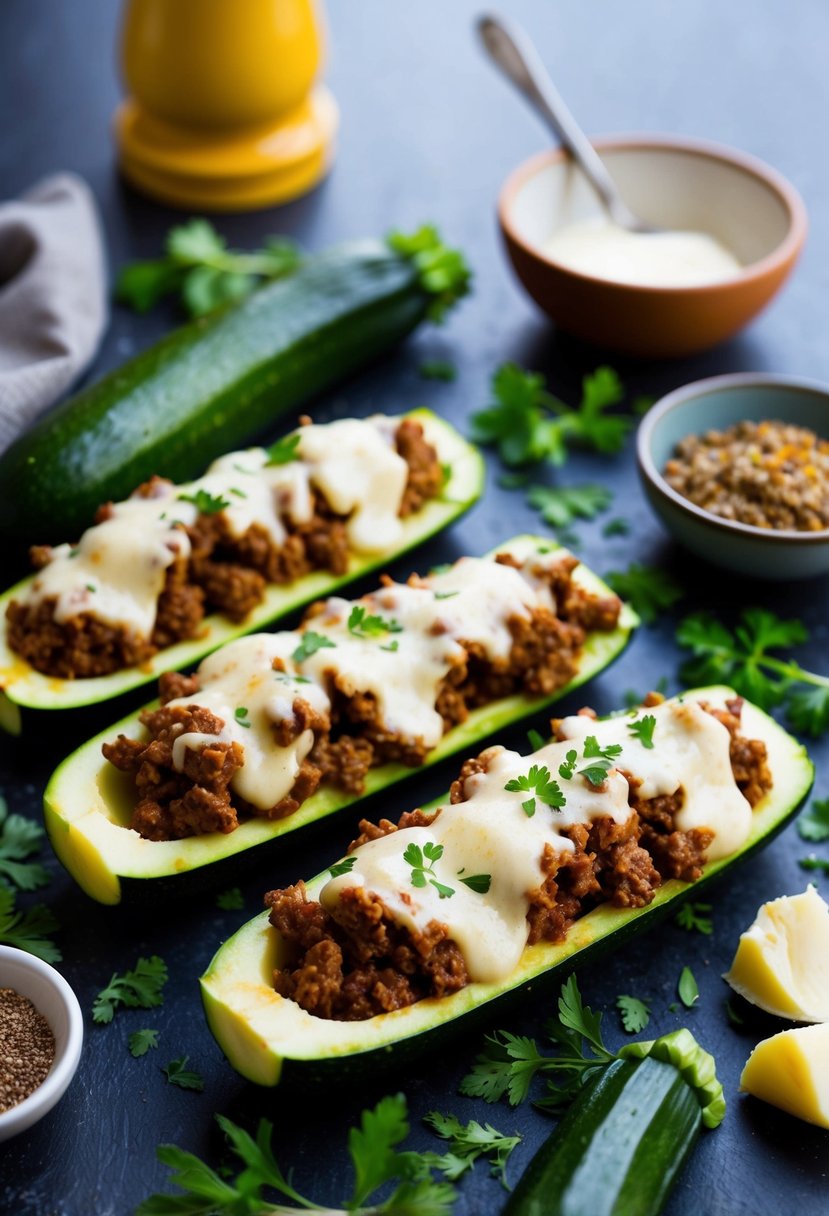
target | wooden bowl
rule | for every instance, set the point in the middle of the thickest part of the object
(670, 182)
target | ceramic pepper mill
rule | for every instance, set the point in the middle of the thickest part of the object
(223, 109)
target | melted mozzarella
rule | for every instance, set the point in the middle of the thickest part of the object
(691, 752)
(118, 569)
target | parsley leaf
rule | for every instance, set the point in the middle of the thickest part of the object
(310, 643)
(28, 930)
(422, 862)
(602, 759)
(468, 1142)
(137, 989)
(568, 765)
(240, 713)
(479, 883)
(365, 625)
(20, 838)
(561, 506)
(177, 1073)
(687, 988)
(342, 867)
(230, 900)
(438, 369)
(814, 823)
(643, 730)
(813, 862)
(204, 502)
(140, 1042)
(635, 1013)
(616, 527)
(284, 451)
(201, 269)
(527, 424)
(538, 782)
(695, 918)
(741, 658)
(648, 589)
(536, 740)
(443, 272)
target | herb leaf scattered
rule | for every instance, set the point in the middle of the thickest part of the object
(202, 270)
(310, 643)
(141, 988)
(635, 1013)
(438, 369)
(814, 823)
(140, 1042)
(539, 783)
(602, 759)
(28, 930)
(177, 1073)
(695, 918)
(616, 527)
(205, 502)
(366, 625)
(240, 713)
(813, 862)
(687, 988)
(422, 862)
(560, 506)
(230, 900)
(342, 867)
(284, 451)
(648, 589)
(20, 838)
(468, 1142)
(643, 730)
(444, 274)
(479, 883)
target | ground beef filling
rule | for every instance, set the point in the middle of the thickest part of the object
(352, 739)
(224, 573)
(356, 962)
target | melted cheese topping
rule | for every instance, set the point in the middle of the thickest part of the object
(117, 572)
(402, 667)
(492, 834)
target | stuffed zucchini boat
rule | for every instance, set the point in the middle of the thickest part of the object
(536, 864)
(170, 574)
(276, 731)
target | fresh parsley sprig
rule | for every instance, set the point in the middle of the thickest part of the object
(142, 1041)
(649, 590)
(284, 451)
(20, 838)
(541, 785)
(741, 658)
(205, 502)
(468, 1142)
(366, 625)
(695, 918)
(422, 862)
(177, 1073)
(635, 1013)
(561, 506)
(642, 730)
(601, 759)
(814, 823)
(141, 988)
(528, 424)
(310, 643)
(200, 269)
(28, 930)
(374, 1157)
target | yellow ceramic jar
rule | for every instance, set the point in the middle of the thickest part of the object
(223, 111)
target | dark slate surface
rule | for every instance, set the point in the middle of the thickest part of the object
(429, 132)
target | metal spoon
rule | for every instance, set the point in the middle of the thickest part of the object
(513, 52)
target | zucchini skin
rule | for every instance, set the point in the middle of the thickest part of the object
(207, 387)
(619, 1148)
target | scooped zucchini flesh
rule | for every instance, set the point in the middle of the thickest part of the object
(88, 803)
(23, 687)
(266, 1037)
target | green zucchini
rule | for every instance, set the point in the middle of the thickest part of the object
(87, 804)
(209, 386)
(619, 1148)
(266, 1037)
(24, 689)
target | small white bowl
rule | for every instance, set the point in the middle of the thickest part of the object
(51, 995)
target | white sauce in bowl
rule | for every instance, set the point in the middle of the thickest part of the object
(605, 250)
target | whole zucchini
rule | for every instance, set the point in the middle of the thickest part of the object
(206, 388)
(268, 1038)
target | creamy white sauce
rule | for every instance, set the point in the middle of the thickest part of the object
(117, 572)
(491, 833)
(605, 250)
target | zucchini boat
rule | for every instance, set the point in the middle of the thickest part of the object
(267, 1037)
(209, 386)
(88, 802)
(24, 689)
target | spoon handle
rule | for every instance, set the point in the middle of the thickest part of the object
(512, 51)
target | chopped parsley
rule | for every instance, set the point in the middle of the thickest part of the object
(177, 1073)
(392, 647)
(561, 506)
(342, 867)
(616, 527)
(141, 988)
(643, 730)
(479, 883)
(687, 988)
(568, 767)
(813, 862)
(695, 918)
(28, 930)
(204, 502)
(241, 716)
(284, 451)
(239, 493)
(438, 369)
(310, 643)
(141, 1041)
(422, 862)
(647, 589)
(286, 677)
(365, 625)
(536, 740)
(635, 1013)
(814, 823)
(468, 1142)
(539, 783)
(446, 595)
(230, 900)
(602, 759)
(19, 839)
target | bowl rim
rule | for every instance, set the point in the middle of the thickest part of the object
(707, 388)
(751, 165)
(51, 1089)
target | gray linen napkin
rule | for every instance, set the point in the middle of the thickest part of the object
(53, 305)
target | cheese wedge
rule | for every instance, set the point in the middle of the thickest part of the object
(782, 961)
(791, 1071)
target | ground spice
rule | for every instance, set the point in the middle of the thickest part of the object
(27, 1048)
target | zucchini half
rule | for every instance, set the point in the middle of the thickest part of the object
(266, 1037)
(21, 687)
(87, 803)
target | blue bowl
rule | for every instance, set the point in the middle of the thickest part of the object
(716, 404)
